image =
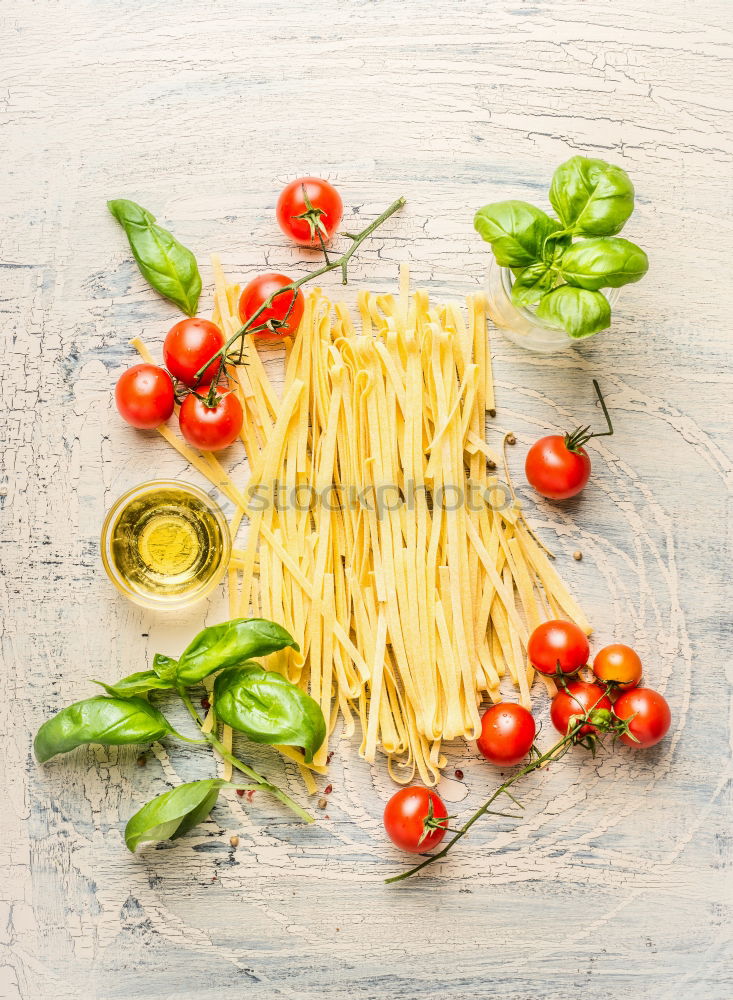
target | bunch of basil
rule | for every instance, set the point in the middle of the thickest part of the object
(262, 704)
(556, 275)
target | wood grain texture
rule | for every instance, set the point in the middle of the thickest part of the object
(617, 882)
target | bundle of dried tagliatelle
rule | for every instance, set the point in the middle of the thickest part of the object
(379, 532)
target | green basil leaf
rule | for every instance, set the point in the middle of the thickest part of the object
(170, 815)
(531, 284)
(170, 267)
(109, 721)
(136, 684)
(592, 197)
(268, 708)
(231, 642)
(576, 310)
(165, 667)
(555, 246)
(516, 231)
(605, 262)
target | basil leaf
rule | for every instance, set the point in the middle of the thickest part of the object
(555, 246)
(603, 263)
(577, 311)
(231, 642)
(268, 708)
(109, 721)
(170, 815)
(169, 266)
(531, 284)
(516, 231)
(136, 684)
(165, 667)
(592, 197)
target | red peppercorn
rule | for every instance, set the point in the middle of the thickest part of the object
(459, 774)
(205, 703)
(328, 789)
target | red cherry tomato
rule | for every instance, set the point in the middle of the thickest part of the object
(415, 819)
(210, 428)
(558, 645)
(618, 664)
(307, 207)
(577, 699)
(554, 470)
(189, 345)
(144, 396)
(651, 717)
(507, 733)
(258, 291)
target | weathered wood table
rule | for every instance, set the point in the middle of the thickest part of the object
(617, 881)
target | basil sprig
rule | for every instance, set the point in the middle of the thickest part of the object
(268, 708)
(263, 705)
(593, 200)
(167, 265)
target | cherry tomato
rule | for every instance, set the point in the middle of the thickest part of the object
(618, 664)
(258, 291)
(144, 396)
(210, 428)
(415, 819)
(651, 717)
(307, 207)
(507, 733)
(189, 345)
(558, 646)
(578, 698)
(556, 471)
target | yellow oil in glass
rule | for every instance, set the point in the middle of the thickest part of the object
(166, 544)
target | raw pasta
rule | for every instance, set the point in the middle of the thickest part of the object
(379, 532)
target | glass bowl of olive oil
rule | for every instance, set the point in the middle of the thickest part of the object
(165, 544)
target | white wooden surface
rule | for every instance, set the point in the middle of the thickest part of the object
(617, 883)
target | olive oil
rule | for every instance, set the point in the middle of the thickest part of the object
(165, 544)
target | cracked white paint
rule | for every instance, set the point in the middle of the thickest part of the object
(617, 879)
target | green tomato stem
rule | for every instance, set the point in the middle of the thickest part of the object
(217, 745)
(605, 412)
(337, 262)
(582, 435)
(554, 753)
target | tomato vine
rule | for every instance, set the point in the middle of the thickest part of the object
(251, 327)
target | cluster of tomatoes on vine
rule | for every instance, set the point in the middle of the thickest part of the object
(309, 211)
(416, 818)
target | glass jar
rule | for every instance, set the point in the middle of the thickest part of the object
(521, 325)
